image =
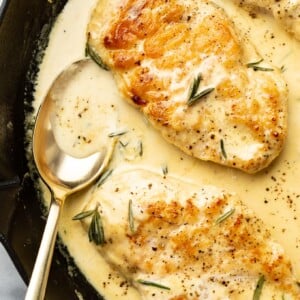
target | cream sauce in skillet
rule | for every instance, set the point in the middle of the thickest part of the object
(274, 193)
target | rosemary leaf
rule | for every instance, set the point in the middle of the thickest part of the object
(256, 67)
(83, 215)
(195, 86)
(252, 64)
(104, 176)
(199, 96)
(96, 231)
(140, 148)
(130, 216)
(258, 288)
(223, 149)
(165, 170)
(225, 216)
(124, 145)
(117, 133)
(282, 69)
(151, 283)
(95, 57)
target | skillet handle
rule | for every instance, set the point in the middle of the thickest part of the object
(38, 282)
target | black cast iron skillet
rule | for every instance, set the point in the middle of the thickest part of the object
(24, 30)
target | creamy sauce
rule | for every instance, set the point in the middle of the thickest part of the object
(273, 194)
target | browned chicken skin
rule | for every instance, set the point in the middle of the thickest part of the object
(199, 241)
(185, 66)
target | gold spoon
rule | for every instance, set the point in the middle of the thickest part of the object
(62, 173)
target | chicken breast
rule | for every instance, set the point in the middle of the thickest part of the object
(176, 240)
(286, 12)
(186, 67)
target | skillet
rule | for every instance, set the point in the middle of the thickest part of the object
(24, 30)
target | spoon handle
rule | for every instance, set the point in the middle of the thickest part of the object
(39, 277)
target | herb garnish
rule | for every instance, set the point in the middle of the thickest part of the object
(255, 66)
(258, 288)
(195, 86)
(83, 215)
(96, 231)
(95, 57)
(140, 148)
(124, 145)
(151, 283)
(117, 133)
(225, 216)
(104, 176)
(165, 170)
(223, 149)
(282, 69)
(130, 216)
(193, 96)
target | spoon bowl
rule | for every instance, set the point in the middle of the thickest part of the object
(64, 174)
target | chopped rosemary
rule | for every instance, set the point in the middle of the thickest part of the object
(224, 154)
(96, 231)
(151, 283)
(165, 170)
(195, 86)
(104, 176)
(140, 148)
(225, 216)
(95, 57)
(124, 145)
(130, 216)
(193, 97)
(83, 215)
(282, 69)
(117, 133)
(258, 288)
(255, 66)
(197, 97)
(252, 64)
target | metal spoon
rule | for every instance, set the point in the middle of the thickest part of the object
(62, 173)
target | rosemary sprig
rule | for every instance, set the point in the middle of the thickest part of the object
(96, 231)
(117, 133)
(225, 216)
(130, 216)
(151, 283)
(258, 288)
(95, 57)
(224, 154)
(193, 97)
(255, 66)
(104, 176)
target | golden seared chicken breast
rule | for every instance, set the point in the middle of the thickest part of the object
(286, 12)
(176, 240)
(186, 67)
